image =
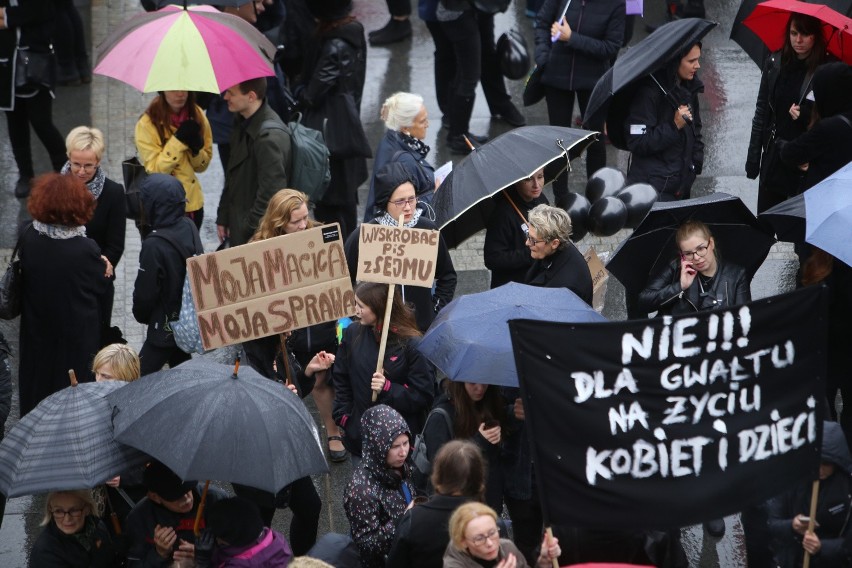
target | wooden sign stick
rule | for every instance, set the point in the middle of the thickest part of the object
(812, 520)
(386, 324)
(549, 532)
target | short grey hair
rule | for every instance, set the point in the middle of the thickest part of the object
(400, 109)
(551, 223)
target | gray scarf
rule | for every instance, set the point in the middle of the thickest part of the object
(59, 232)
(95, 185)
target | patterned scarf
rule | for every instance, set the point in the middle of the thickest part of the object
(415, 145)
(86, 536)
(59, 232)
(389, 221)
(95, 185)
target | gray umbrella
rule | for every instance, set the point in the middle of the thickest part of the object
(205, 422)
(65, 442)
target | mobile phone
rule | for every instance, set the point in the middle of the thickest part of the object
(489, 424)
(804, 519)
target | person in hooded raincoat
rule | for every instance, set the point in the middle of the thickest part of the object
(380, 490)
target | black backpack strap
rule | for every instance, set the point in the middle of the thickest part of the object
(198, 247)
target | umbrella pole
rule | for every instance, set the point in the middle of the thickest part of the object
(386, 324)
(812, 520)
(549, 532)
(285, 356)
(73, 377)
(669, 98)
(197, 527)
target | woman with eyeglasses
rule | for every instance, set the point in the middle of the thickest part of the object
(475, 542)
(73, 536)
(85, 148)
(395, 197)
(698, 279)
(556, 261)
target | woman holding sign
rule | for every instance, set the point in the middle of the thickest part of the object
(698, 280)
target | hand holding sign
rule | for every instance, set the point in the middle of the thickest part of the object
(378, 382)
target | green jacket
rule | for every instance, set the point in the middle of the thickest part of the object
(258, 168)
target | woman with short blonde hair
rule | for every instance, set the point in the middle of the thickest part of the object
(85, 138)
(116, 362)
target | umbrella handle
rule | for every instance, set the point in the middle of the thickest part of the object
(197, 527)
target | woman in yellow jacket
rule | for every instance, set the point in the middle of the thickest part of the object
(173, 137)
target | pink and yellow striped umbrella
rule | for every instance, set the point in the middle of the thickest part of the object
(177, 49)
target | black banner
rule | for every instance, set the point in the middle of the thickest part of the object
(668, 422)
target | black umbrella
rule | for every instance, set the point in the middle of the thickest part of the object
(463, 202)
(739, 237)
(787, 219)
(204, 422)
(752, 44)
(614, 91)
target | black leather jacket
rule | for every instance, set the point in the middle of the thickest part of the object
(730, 287)
(341, 64)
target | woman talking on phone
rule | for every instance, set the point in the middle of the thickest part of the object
(698, 279)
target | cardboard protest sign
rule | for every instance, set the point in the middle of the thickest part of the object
(397, 255)
(667, 422)
(599, 278)
(271, 286)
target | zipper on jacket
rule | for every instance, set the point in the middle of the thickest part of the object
(574, 54)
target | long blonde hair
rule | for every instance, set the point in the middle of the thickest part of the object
(278, 213)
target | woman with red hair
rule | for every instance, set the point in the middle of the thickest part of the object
(63, 276)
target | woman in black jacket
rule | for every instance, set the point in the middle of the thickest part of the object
(587, 40)
(85, 148)
(783, 110)
(395, 196)
(339, 69)
(667, 150)
(698, 280)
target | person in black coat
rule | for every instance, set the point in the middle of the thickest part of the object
(395, 195)
(505, 251)
(73, 536)
(339, 69)
(30, 105)
(588, 39)
(827, 146)
(556, 261)
(422, 534)
(63, 276)
(85, 148)
(663, 133)
(783, 110)
(698, 280)
(158, 290)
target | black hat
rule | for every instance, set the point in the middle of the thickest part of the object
(391, 176)
(329, 10)
(164, 482)
(235, 520)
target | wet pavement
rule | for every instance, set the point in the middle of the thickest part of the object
(731, 80)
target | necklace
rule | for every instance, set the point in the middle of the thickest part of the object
(704, 283)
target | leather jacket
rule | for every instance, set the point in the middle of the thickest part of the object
(729, 287)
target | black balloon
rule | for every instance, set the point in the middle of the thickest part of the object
(639, 198)
(513, 55)
(606, 182)
(578, 209)
(607, 216)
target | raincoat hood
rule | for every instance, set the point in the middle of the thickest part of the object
(834, 448)
(163, 199)
(832, 84)
(391, 176)
(380, 426)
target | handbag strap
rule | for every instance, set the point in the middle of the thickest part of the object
(18, 244)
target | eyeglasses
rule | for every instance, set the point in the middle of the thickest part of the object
(531, 241)
(403, 202)
(74, 513)
(480, 539)
(700, 251)
(84, 167)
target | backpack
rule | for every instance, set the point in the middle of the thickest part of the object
(310, 170)
(422, 470)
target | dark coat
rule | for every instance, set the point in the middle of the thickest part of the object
(62, 280)
(341, 67)
(597, 32)
(158, 290)
(661, 155)
(506, 252)
(140, 523)
(108, 223)
(374, 499)
(425, 304)
(730, 287)
(55, 549)
(422, 534)
(565, 268)
(35, 18)
(257, 170)
(410, 388)
(393, 148)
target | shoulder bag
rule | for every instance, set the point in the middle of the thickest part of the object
(10, 286)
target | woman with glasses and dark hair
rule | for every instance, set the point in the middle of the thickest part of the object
(395, 197)
(556, 261)
(698, 279)
(73, 536)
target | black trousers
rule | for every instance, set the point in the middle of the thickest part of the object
(445, 65)
(70, 42)
(38, 112)
(399, 7)
(152, 358)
